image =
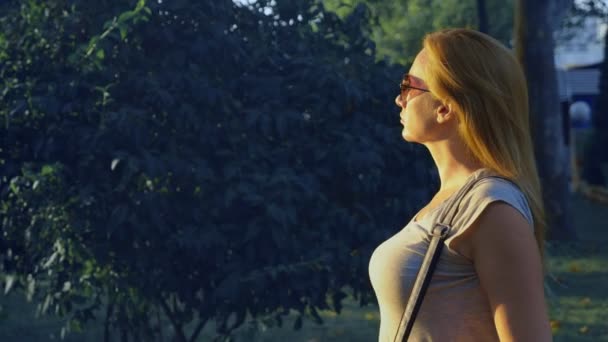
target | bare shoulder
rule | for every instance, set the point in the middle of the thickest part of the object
(499, 224)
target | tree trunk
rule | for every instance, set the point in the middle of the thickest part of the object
(535, 21)
(482, 16)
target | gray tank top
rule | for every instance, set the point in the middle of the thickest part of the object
(454, 307)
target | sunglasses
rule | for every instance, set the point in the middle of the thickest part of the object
(406, 86)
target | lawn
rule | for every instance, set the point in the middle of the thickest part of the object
(576, 295)
(575, 289)
(579, 305)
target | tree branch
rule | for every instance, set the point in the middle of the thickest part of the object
(106, 329)
(198, 329)
(178, 327)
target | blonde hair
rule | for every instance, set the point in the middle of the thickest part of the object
(486, 86)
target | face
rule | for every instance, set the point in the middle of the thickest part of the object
(419, 109)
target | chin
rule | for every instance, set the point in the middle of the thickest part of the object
(407, 137)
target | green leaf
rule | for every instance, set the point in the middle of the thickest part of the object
(124, 17)
(140, 4)
(51, 260)
(106, 25)
(14, 187)
(123, 31)
(9, 281)
(45, 305)
(115, 163)
(47, 170)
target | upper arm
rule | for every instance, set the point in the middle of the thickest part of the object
(508, 263)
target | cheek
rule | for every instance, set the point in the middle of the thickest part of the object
(417, 117)
(419, 125)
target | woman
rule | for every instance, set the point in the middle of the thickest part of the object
(465, 99)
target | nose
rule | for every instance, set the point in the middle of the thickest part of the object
(398, 102)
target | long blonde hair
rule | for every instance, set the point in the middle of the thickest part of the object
(486, 86)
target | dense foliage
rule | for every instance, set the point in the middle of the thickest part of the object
(398, 27)
(195, 160)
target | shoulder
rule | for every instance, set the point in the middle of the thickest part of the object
(493, 206)
(490, 190)
(501, 219)
(489, 186)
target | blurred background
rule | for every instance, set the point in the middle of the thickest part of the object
(179, 170)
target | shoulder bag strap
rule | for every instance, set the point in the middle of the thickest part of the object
(439, 232)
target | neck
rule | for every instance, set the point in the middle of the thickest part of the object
(453, 161)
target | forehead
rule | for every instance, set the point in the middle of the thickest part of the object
(418, 68)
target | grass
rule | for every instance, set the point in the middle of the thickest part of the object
(579, 306)
(19, 324)
(576, 296)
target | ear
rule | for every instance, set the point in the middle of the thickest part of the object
(445, 113)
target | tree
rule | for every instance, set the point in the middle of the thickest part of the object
(535, 23)
(482, 16)
(398, 27)
(191, 161)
